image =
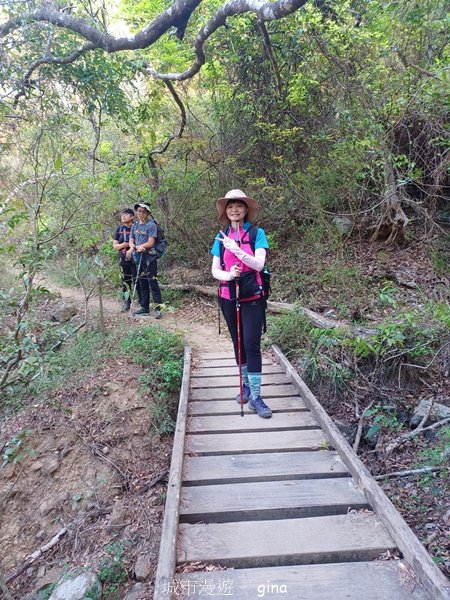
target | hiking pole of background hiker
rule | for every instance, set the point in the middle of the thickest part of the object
(137, 277)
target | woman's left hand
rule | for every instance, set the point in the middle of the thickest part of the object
(228, 243)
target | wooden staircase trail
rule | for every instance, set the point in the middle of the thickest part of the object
(278, 508)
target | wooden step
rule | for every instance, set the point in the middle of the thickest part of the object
(338, 538)
(202, 363)
(232, 370)
(228, 381)
(260, 500)
(225, 407)
(279, 441)
(376, 580)
(250, 422)
(228, 393)
(201, 470)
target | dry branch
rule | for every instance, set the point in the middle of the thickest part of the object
(406, 473)
(37, 554)
(402, 439)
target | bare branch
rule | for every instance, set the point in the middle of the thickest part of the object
(402, 439)
(406, 473)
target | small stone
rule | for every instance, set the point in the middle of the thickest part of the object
(36, 466)
(117, 518)
(41, 571)
(136, 593)
(348, 431)
(50, 465)
(53, 576)
(143, 567)
(105, 450)
(77, 588)
(46, 507)
(30, 572)
(64, 313)
(438, 412)
(343, 224)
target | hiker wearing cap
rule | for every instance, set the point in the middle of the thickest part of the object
(238, 268)
(121, 243)
(142, 239)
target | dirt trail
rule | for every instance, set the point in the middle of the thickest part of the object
(197, 326)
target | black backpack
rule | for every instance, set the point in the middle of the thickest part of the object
(252, 232)
(161, 243)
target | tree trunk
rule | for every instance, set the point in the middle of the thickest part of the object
(392, 224)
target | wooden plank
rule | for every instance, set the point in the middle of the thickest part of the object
(200, 470)
(338, 538)
(279, 441)
(167, 550)
(429, 575)
(376, 580)
(216, 355)
(224, 362)
(230, 406)
(233, 381)
(233, 370)
(228, 393)
(250, 422)
(289, 499)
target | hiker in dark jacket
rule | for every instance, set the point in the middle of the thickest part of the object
(142, 240)
(121, 243)
(237, 260)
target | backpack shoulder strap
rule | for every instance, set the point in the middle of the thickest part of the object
(252, 233)
(222, 263)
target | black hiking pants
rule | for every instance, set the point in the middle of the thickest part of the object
(251, 319)
(128, 269)
(148, 281)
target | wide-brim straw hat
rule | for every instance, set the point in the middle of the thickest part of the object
(221, 205)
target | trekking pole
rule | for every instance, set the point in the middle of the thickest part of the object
(238, 321)
(137, 277)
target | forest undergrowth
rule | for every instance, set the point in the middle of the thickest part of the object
(99, 455)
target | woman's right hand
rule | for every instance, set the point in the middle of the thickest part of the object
(235, 271)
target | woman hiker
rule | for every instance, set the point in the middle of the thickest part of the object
(121, 243)
(142, 239)
(236, 259)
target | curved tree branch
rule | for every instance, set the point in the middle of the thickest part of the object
(178, 16)
(49, 60)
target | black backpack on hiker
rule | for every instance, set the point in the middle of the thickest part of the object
(160, 244)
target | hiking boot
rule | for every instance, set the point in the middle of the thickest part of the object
(260, 407)
(245, 394)
(158, 313)
(141, 311)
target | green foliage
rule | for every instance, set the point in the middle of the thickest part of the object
(15, 449)
(336, 356)
(382, 416)
(82, 355)
(387, 294)
(437, 454)
(112, 571)
(161, 354)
